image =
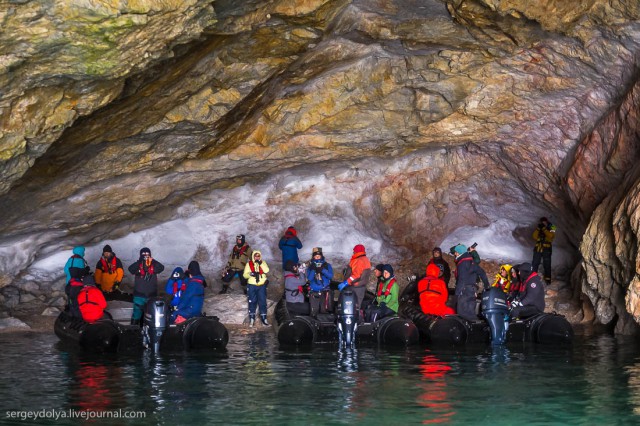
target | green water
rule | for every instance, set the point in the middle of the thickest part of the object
(594, 381)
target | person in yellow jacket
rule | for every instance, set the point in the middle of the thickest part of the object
(543, 236)
(109, 271)
(255, 272)
(503, 279)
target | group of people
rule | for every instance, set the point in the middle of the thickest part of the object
(307, 285)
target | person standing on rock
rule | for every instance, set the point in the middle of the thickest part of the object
(145, 285)
(467, 272)
(289, 245)
(109, 271)
(255, 272)
(543, 235)
(236, 264)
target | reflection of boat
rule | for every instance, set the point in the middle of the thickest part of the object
(107, 335)
(301, 330)
(455, 330)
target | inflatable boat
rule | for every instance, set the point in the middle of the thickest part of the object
(455, 330)
(344, 327)
(108, 335)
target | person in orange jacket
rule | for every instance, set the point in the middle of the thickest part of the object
(357, 274)
(109, 271)
(433, 293)
(91, 301)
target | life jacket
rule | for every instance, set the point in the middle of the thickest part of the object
(83, 301)
(183, 286)
(253, 269)
(75, 282)
(141, 270)
(237, 252)
(428, 287)
(459, 261)
(110, 267)
(387, 290)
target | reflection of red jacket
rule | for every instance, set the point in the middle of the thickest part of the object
(433, 293)
(92, 303)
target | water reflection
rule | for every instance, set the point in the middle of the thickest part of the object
(434, 396)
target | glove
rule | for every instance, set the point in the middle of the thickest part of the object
(300, 289)
(382, 305)
(116, 285)
(179, 319)
(252, 274)
(342, 285)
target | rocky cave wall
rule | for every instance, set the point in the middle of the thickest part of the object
(450, 113)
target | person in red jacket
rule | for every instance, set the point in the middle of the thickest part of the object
(91, 301)
(433, 293)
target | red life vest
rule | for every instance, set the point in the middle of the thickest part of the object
(75, 282)
(387, 290)
(523, 286)
(141, 270)
(458, 262)
(252, 267)
(91, 303)
(428, 287)
(237, 252)
(109, 268)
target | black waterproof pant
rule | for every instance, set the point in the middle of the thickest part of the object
(524, 311)
(545, 258)
(466, 306)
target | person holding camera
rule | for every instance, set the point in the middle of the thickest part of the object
(543, 236)
(255, 272)
(467, 272)
(236, 264)
(145, 285)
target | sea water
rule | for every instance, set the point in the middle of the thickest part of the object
(593, 381)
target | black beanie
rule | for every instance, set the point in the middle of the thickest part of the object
(107, 249)
(380, 267)
(388, 268)
(289, 265)
(145, 250)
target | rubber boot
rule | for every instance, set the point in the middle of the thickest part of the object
(135, 321)
(263, 318)
(252, 320)
(224, 290)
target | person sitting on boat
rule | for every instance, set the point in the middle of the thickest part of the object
(319, 275)
(109, 271)
(503, 279)
(145, 271)
(75, 270)
(386, 302)
(357, 274)
(433, 293)
(192, 298)
(529, 299)
(289, 245)
(255, 272)
(294, 283)
(467, 272)
(236, 264)
(441, 263)
(91, 301)
(175, 287)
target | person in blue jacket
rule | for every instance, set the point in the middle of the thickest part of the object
(176, 285)
(76, 266)
(192, 299)
(319, 275)
(290, 244)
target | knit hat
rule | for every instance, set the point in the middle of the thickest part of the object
(194, 268)
(316, 251)
(388, 268)
(544, 219)
(289, 265)
(107, 249)
(359, 249)
(380, 267)
(291, 232)
(145, 250)
(437, 249)
(241, 238)
(460, 248)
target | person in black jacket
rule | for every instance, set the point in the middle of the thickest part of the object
(467, 272)
(529, 298)
(145, 285)
(439, 261)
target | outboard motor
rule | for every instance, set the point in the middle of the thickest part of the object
(347, 318)
(495, 310)
(155, 322)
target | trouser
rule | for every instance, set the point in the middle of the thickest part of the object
(359, 292)
(374, 313)
(298, 308)
(466, 305)
(257, 296)
(524, 311)
(231, 275)
(321, 302)
(72, 292)
(138, 307)
(545, 258)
